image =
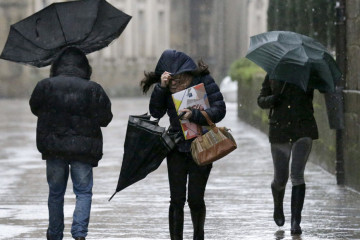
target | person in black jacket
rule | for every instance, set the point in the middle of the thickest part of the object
(174, 72)
(292, 129)
(70, 110)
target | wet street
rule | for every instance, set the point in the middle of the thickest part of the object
(238, 196)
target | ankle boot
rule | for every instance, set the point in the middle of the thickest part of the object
(198, 220)
(278, 196)
(176, 223)
(297, 203)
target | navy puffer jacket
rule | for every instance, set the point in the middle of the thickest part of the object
(161, 101)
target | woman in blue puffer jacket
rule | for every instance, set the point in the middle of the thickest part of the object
(174, 72)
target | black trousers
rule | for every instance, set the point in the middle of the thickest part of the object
(181, 167)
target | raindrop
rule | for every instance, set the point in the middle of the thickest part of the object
(313, 9)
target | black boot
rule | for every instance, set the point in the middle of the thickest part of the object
(278, 196)
(198, 220)
(297, 203)
(176, 223)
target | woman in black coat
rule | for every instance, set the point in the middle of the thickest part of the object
(70, 110)
(292, 129)
(174, 72)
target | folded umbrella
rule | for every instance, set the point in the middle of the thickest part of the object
(87, 24)
(146, 146)
(294, 58)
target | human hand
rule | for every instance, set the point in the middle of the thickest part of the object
(165, 78)
(188, 114)
(198, 106)
(277, 99)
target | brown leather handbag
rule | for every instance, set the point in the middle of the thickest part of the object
(213, 145)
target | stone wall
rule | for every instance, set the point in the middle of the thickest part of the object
(352, 97)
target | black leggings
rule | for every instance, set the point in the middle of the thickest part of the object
(180, 165)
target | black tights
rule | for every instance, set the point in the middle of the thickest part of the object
(180, 166)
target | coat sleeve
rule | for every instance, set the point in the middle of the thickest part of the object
(158, 101)
(101, 106)
(266, 99)
(36, 100)
(217, 108)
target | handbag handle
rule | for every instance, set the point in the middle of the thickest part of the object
(211, 124)
(208, 120)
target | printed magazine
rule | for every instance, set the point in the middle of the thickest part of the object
(188, 98)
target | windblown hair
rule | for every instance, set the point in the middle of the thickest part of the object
(71, 62)
(152, 78)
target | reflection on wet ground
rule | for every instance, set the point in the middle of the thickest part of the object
(238, 197)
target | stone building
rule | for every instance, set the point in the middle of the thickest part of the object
(14, 78)
(119, 67)
(216, 31)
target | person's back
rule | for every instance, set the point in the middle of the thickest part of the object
(70, 110)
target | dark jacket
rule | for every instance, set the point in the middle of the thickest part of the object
(291, 112)
(70, 112)
(161, 101)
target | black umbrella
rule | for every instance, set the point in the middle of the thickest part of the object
(87, 24)
(294, 58)
(146, 145)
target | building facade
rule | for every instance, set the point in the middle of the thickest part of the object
(119, 67)
(216, 31)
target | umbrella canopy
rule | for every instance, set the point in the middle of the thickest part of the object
(146, 145)
(87, 24)
(294, 58)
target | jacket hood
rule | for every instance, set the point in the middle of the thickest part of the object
(71, 62)
(174, 62)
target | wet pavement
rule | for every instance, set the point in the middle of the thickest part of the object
(238, 196)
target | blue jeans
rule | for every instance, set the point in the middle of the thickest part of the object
(57, 172)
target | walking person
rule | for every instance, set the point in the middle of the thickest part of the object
(175, 71)
(70, 110)
(291, 132)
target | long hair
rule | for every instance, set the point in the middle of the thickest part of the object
(71, 61)
(152, 78)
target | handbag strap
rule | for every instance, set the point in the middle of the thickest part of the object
(211, 124)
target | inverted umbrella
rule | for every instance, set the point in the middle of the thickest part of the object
(294, 58)
(146, 145)
(87, 24)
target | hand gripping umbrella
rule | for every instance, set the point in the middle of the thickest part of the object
(146, 145)
(294, 58)
(87, 24)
